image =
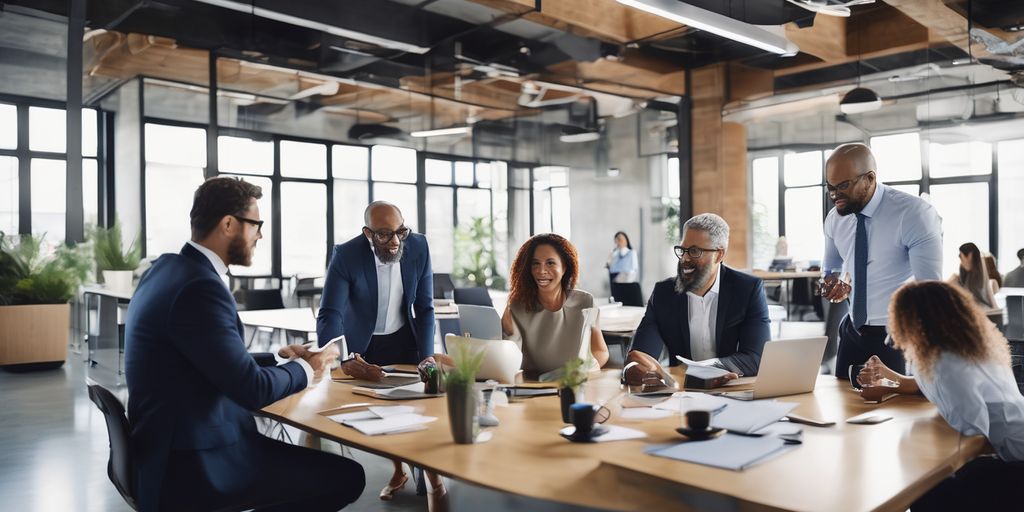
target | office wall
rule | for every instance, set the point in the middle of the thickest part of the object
(127, 158)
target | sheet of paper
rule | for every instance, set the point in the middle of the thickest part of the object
(390, 424)
(383, 411)
(780, 429)
(615, 433)
(633, 400)
(701, 371)
(644, 413)
(684, 401)
(749, 417)
(730, 451)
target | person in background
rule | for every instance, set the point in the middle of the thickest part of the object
(973, 276)
(707, 312)
(623, 263)
(545, 310)
(1015, 277)
(378, 293)
(193, 386)
(880, 237)
(995, 279)
(962, 365)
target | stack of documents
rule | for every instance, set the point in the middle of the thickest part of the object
(410, 392)
(685, 401)
(733, 452)
(379, 420)
(700, 375)
(749, 417)
(390, 380)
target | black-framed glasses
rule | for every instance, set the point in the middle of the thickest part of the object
(257, 223)
(694, 251)
(383, 236)
(845, 184)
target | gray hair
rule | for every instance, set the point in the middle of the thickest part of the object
(370, 207)
(714, 226)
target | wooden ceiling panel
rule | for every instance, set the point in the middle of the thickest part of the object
(607, 20)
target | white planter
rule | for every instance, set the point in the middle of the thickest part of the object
(118, 280)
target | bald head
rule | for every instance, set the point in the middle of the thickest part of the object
(379, 213)
(850, 176)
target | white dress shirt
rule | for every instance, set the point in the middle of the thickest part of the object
(702, 314)
(979, 398)
(222, 271)
(904, 242)
(389, 296)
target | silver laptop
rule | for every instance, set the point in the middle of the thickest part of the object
(788, 367)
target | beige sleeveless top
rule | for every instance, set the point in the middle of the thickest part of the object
(550, 338)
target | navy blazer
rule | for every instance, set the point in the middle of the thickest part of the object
(349, 302)
(191, 382)
(741, 329)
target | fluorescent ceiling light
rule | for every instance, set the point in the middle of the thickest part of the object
(457, 130)
(716, 24)
(579, 137)
(248, 8)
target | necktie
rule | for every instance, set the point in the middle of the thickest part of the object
(383, 297)
(860, 273)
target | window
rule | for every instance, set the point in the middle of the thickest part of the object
(9, 195)
(964, 211)
(47, 129)
(49, 199)
(438, 172)
(441, 228)
(1011, 197)
(804, 218)
(961, 159)
(303, 160)
(551, 211)
(246, 156)
(350, 162)
(402, 196)
(8, 126)
(898, 157)
(303, 233)
(394, 164)
(352, 193)
(803, 169)
(765, 210)
(175, 158)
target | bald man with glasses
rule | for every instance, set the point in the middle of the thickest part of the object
(876, 239)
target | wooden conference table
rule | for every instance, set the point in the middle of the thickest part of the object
(840, 468)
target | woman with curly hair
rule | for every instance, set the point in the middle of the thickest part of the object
(962, 364)
(545, 310)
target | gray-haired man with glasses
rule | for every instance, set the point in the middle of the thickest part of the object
(708, 312)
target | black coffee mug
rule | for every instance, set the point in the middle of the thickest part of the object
(582, 416)
(854, 372)
(698, 420)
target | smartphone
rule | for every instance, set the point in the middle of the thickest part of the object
(793, 418)
(872, 419)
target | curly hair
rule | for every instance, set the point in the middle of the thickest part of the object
(523, 288)
(928, 318)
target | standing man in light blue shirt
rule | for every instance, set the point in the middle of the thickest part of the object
(880, 238)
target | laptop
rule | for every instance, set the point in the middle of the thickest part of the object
(501, 360)
(788, 367)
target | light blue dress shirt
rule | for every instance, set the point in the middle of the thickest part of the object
(904, 242)
(978, 398)
(624, 262)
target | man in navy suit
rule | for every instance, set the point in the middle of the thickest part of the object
(709, 312)
(192, 385)
(379, 294)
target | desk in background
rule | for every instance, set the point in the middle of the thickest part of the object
(786, 279)
(104, 328)
(840, 468)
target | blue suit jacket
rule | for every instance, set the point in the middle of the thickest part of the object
(191, 382)
(741, 329)
(349, 302)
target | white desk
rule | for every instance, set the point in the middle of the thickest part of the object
(287, 319)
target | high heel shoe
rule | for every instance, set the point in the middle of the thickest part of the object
(388, 492)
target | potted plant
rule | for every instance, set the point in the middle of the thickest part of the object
(34, 292)
(462, 396)
(570, 391)
(116, 264)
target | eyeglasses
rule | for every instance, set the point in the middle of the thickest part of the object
(694, 252)
(257, 223)
(384, 236)
(846, 184)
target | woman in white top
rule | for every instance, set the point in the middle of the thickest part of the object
(623, 263)
(962, 365)
(545, 311)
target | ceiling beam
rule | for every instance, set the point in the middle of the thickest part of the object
(606, 20)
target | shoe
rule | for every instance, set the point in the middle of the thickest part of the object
(437, 500)
(388, 492)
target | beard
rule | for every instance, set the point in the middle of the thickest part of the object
(852, 206)
(239, 253)
(384, 254)
(694, 280)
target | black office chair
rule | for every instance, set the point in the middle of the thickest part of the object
(444, 288)
(119, 467)
(803, 298)
(262, 299)
(477, 296)
(629, 294)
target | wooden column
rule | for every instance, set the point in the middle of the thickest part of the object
(720, 183)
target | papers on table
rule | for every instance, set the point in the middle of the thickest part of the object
(701, 371)
(378, 420)
(685, 401)
(731, 451)
(615, 433)
(749, 417)
(410, 392)
(390, 380)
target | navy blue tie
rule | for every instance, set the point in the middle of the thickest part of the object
(860, 273)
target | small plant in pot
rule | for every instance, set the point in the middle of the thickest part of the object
(116, 264)
(35, 287)
(570, 391)
(462, 396)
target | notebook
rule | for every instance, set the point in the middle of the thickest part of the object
(409, 392)
(392, 424)
(749, 417)
(732, 452)
(390, 380)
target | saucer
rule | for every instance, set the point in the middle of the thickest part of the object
(700, 435)
(598, 431)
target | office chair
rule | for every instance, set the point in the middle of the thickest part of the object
(477, 296)
(444, 288)
(479, 321)
(262, 299)
(629, 294)
(119, 466)
(802, 294)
